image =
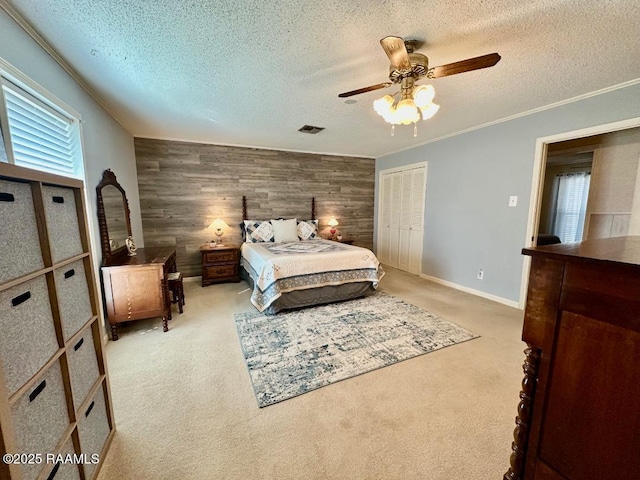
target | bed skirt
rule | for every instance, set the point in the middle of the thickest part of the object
(313, 296)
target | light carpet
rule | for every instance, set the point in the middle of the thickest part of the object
(292, 353)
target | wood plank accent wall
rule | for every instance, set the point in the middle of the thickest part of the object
(184, 186)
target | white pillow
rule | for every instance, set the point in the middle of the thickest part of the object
(285, 230)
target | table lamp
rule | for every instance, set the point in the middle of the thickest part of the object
(218, 225)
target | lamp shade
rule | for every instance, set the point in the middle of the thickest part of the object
(333, 222)
(218, 224)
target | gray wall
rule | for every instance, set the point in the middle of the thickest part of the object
(185, 186)
(468, 224)
(106, 143)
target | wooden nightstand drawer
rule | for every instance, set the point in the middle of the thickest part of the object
(221, 272)
(219, 257)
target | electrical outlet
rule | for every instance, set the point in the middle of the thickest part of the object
(480, 274)
(513, 200)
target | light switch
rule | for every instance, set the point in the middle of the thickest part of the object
(513, 200)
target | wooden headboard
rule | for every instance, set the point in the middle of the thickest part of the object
(244, 208)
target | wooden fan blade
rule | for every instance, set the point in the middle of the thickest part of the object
(365, 89)
(397, 52)
(462, 66)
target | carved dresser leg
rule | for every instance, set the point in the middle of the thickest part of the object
(525, 408)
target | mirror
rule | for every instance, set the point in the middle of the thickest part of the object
(113, 216)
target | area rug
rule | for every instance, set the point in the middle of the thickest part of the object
(292, 353)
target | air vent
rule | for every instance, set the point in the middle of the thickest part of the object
(310, 129)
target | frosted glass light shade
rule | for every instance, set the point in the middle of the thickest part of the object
(390, 116)
(423, 95)
(429, 111)
(333, 222)
(383, 105)
(407, 112)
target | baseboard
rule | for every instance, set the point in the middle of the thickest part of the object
(472, 291)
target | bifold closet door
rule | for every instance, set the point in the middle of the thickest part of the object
(402, 218)
(416, 220)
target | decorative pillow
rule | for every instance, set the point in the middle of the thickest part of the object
(285, 230)
(307, 229)
(258, 231)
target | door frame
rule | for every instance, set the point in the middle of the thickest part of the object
(537, 184)
(386, 171)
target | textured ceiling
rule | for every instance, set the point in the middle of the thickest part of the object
(251, 73)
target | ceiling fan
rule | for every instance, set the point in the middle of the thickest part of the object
(408, 66)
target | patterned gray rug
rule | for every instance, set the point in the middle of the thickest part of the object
(292, 353)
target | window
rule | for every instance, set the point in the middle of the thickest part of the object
(38, 133)
(572, 190)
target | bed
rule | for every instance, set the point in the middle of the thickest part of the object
(302, 271)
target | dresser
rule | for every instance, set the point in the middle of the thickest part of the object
(578, 417)
(135, 287)
(54, 389)
(220, 264)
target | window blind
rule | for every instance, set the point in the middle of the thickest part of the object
(571, 205)
(41, 137)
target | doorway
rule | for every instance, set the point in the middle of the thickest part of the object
(598, 222)
(565, 193)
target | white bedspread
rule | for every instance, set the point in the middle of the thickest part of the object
(276, 268)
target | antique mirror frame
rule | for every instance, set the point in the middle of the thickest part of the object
(109, 178)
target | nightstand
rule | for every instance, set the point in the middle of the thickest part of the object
(220, 264)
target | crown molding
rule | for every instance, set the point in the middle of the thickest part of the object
(519, 115)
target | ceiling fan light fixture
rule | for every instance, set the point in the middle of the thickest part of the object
(423, 95)
(429, 111)
(416, 105)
